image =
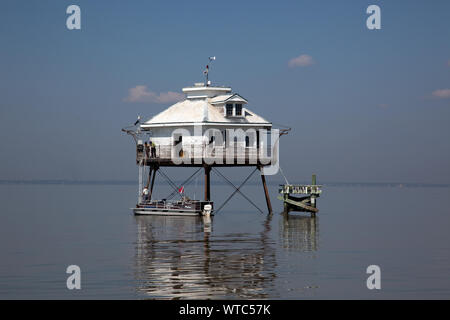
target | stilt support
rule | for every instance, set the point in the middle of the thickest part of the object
(149, 177)
(207, 183)
(266, 192)
(153, 182)
(236, 190)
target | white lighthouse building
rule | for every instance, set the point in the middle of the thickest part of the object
(209, 118)
(211, 127)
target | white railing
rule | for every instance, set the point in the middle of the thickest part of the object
(202, 152)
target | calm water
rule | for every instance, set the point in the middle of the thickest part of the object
(241, 253)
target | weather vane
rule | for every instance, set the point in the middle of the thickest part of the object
(206, 71)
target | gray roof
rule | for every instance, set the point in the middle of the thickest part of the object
(190, 111)
(228, 97)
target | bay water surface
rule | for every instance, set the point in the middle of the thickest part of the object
(239, 254)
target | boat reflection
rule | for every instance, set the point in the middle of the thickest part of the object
(182, 258)
(299, 233)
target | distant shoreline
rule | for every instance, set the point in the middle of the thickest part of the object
(132, 182)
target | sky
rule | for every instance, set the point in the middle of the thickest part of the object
(364, 105)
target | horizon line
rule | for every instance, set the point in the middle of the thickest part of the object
(277, 182)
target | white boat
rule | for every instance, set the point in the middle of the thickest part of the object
(183, 207)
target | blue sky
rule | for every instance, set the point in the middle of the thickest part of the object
(366, 109)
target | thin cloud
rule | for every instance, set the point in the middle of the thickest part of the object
(303, 60)
(441, 93)
(448, 63)
(141, 93)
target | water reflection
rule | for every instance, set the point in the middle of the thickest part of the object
(299, 232)
(182, 258)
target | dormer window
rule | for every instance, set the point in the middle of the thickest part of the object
(233, 110)
(238, 109)
(231, 104)
(229, 108)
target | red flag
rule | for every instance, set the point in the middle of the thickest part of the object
(181, 190)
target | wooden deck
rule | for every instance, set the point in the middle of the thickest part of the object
(305, 203)
(238, 162)
(200, 157)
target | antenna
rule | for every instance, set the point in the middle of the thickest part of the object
(206, 71)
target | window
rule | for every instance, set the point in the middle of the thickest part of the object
(239, 109)
(247, 141)
(229, 109)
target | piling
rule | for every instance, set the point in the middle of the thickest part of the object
(207, 183)
(266, 191)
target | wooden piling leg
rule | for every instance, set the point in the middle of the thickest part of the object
(313, 197)
(266, 192)
(153, 182)
(207, 183)
(285, 204)
(149, 177)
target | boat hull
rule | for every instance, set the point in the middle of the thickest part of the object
(161, 212)
(172, 209)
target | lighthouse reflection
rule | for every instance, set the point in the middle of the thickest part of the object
(182, 258)
(299, 232)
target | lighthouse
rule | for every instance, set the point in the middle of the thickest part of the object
(212, 127)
